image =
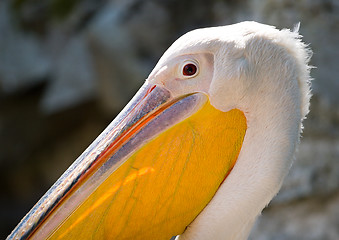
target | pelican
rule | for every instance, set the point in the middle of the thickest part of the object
(198, 152)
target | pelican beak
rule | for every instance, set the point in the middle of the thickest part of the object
(146, 175)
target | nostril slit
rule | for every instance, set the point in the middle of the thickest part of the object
(151, 89)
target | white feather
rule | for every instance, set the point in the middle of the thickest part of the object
(264, 72)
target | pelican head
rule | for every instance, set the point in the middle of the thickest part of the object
(198, 152)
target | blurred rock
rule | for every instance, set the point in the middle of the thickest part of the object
(117, 66)
(73, 79)
(118, 36)
(315, 172)
(23, 63)
(311, 219)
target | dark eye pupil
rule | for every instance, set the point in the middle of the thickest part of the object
(189, 69)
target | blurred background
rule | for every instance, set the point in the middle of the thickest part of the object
(67, 67)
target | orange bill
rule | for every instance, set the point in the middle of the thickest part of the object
(147, 176)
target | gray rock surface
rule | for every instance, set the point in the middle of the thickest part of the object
(312, 218)
(22, 60)
(73, 79)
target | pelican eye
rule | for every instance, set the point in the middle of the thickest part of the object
(189, 69)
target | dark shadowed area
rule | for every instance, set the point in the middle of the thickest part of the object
(67, 67)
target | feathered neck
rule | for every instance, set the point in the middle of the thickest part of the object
(269, 81)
